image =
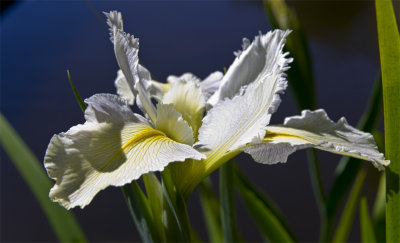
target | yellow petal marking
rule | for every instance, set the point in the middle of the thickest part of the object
(143, 134)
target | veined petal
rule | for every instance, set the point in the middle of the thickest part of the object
(257, 60)
(186, 96)
(211, 84)
(233, 123)
(156, 89)
(173, 125)
(103, 152)
(123, 88)
(126, 49)
(315, 129)
(208, 86)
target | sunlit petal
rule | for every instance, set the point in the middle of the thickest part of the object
(315, 129)
(211, 84)
(126, 49)
(123, 88)
(256, 61)
(173, 125)
(105, 151)
(186, 96)
(233, 123)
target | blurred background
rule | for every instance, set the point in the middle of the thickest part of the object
(40, 40)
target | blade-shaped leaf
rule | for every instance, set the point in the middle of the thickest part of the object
(367, 232)
(139, 208)
(267, 217)
(389, 49)
(156, 202)
(229, 227)
(211, 211)
(378, 212)
(78, 98)
(348, 167)
(349, 211)
(62, 221)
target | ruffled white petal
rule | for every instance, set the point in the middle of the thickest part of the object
(233, 123)
(315, 129)
(126, 49)
(173, 125)
(257, 60)
(186, 96)
(211, 84)
(123, 88)
(103, 152)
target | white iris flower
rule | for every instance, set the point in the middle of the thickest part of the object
(201, 123)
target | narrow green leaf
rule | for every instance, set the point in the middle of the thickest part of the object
(156, 202)
(348, 167)
(139, 208)
(211, 211)
(378, 212)
(268, 219)
(300, 75)
(347, 218)
(78, 98)
(367, 232)
(179, 224)
(389, 49)
(228, 218)
(62, 221)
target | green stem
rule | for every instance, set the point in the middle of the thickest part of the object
(318, 189)
(226, 184)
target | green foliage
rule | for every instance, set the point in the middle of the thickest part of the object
(139, 208)
(211, 211)
(268, 219)
(348, 167)
(63, 222)
(228, 220)
(367, 232)
(389, 48)
(347, 218)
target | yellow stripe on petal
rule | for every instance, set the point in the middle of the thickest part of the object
(315, 129)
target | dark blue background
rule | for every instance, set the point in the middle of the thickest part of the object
(41, 40)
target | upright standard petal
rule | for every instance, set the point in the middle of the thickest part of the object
(123, 88)
(186, 96)
(106, 151)
(126, 49)
(208, 86)
(315, 129)
(256, 61)
(211, 84)
(173, 125)
(156, 89)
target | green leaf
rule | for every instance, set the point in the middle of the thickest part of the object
(300, 75)
(347, 218)
(211, 211)
(62, 221)
(229, 227)
(268, 219)
(367, 232)
(78, 98)
(348, 167)
(177, 218)
(139, 208)
(389, 49)
(156, 202)
(378, 212)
